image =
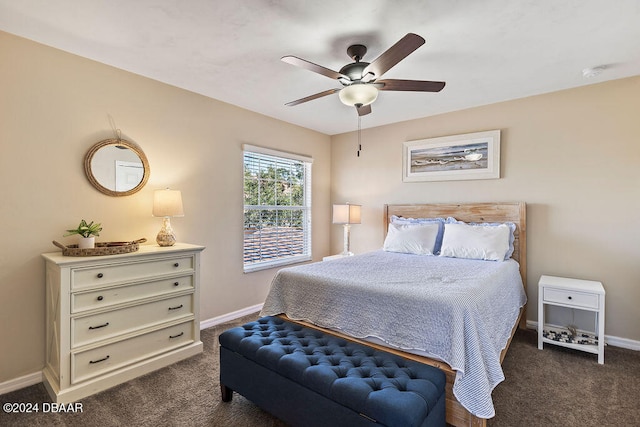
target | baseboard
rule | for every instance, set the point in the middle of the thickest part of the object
(608, 339)
(622, 342)
(21, 382)
(229, 316)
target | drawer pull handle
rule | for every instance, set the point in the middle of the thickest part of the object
(176, 336)
(100, 298)
(177, 264)
(99, 326)
(100, 275)
(176, 283)
(99, 360)
(176, 308)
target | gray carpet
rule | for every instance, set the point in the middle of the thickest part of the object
(554, 387)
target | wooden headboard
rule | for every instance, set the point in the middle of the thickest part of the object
(515, 212)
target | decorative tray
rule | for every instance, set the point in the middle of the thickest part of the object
(105, 248)
(567, 337)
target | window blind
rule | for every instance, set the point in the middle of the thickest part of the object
(277, 208)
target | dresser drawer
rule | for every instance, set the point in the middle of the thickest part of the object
(98, 361)
(89, 329)
(82, 278)
(89, 300)
(574, 298)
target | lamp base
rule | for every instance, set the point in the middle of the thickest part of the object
(165, 236)
(346, 251)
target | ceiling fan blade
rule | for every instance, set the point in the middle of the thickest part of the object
(364, 110)
(303, 63)
(312, 97)
(392, 56)
(410, 85)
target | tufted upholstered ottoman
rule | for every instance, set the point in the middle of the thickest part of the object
(308, 378)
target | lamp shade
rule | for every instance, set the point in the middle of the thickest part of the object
(346, 214)
(167, 203)
(358, 94)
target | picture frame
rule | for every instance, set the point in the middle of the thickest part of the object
(456, 157)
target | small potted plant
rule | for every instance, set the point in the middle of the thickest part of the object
(86, 233)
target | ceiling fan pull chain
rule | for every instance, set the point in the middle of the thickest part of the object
(359, 136)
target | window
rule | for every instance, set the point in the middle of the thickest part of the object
(277, 208)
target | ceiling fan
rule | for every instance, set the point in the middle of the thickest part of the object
(360, 79)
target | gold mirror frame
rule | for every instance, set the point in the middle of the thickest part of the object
(116, 142)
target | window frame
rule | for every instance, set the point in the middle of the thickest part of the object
(291, 158)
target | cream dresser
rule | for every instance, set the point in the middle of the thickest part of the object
(113, 318)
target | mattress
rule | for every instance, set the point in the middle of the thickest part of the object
(460, 311)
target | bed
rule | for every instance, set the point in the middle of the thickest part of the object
(373, 299)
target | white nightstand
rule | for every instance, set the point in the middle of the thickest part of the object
(576, 294)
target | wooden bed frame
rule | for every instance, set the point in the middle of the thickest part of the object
(515, 212)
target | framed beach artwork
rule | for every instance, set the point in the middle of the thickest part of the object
(456, 157)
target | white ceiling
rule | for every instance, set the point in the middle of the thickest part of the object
(487, 51)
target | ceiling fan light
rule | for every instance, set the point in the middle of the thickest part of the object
(358, 93)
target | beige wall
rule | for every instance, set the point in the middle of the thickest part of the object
(53, 107)
(572, 156)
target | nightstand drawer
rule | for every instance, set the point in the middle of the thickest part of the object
(574, 298)
(97, 361)
(89, 329)
(84, 301)
(121, 273)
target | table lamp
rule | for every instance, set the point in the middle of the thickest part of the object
(167, 203)
(346, 215)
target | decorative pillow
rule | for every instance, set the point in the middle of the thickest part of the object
(511, 225)
(440, 221)
(419, 239)
(486, 242)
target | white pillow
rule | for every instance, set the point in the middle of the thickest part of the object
(475, 241)
(419, 239)
(511, 225)
(440, 221)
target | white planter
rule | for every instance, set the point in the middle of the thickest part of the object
(87, 242)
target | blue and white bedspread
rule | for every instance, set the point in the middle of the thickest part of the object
(461, 311)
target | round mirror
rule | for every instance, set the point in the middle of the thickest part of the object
(116, 167)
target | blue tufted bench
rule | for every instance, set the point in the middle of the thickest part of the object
(308, 378)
